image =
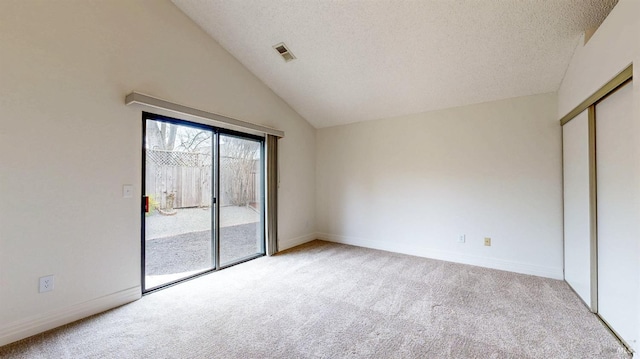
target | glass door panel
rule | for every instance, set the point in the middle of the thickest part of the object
(178, 217)
(241, 234)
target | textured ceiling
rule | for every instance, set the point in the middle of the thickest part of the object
(366, 60)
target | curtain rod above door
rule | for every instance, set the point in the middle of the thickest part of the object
(154, 102)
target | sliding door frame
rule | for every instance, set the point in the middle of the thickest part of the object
(262, 249)
(215, 193)
(620, 80)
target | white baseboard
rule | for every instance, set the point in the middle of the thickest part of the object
(40, 323)
(487, 262)
(290, 243)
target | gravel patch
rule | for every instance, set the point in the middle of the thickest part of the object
(188, 220)
(192, 251)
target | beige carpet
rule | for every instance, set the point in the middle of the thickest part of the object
(324, 300)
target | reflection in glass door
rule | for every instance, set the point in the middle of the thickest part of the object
(186, 230)
(178, 190)
(241, 199)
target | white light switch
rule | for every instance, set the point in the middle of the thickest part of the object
(127, 191)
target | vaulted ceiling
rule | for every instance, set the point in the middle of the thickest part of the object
(360, 60)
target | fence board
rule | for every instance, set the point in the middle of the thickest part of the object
(189, 177)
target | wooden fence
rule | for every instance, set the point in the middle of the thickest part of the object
(188, 176)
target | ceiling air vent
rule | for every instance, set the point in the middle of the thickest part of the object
(284, 52)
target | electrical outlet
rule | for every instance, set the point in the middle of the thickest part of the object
(46, 284)
(487, 241)
(461, 238)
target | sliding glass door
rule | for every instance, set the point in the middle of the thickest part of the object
(241, 202)
(203, 200)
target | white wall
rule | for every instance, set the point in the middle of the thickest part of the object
(612, 48)
(68, 144)
(413, 184)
